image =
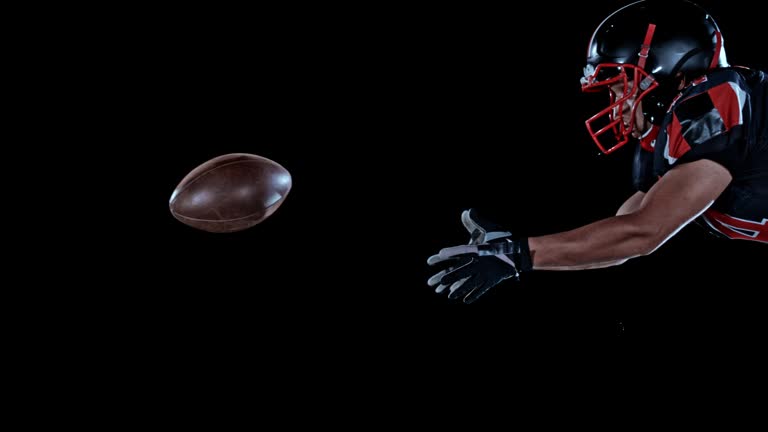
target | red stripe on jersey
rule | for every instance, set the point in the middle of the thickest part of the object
(726, 102)
(648, 141)
(678, 146)
(738, 228)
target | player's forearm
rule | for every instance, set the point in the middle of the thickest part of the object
(604, 243)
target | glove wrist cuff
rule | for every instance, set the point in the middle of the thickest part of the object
(516, 250)
(522, 255)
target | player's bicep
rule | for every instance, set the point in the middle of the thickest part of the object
(632, 204)
(681, 195)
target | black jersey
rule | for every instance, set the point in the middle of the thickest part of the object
(722, 117)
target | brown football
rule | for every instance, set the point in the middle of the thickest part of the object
(230, 193)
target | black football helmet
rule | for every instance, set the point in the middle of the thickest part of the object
(648, 47)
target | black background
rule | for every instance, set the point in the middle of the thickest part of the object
(392, 120)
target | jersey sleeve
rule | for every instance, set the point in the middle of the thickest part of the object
(707, 125)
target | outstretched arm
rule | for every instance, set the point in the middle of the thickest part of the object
(642, 224)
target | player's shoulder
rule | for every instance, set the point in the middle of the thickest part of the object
(711, 105)
(744, 77)
(696, 99)
(720, 89)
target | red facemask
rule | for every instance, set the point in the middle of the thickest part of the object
(607, 127)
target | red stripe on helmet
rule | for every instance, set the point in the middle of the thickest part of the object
(646, 46)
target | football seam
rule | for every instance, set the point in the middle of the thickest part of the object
(229, 220)
(205, 173)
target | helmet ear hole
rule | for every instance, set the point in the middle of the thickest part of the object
(654, 109)
(656, 102)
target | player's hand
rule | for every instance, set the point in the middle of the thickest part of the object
(478, 232)
(491, 256)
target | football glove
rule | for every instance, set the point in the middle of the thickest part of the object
(491, 256)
